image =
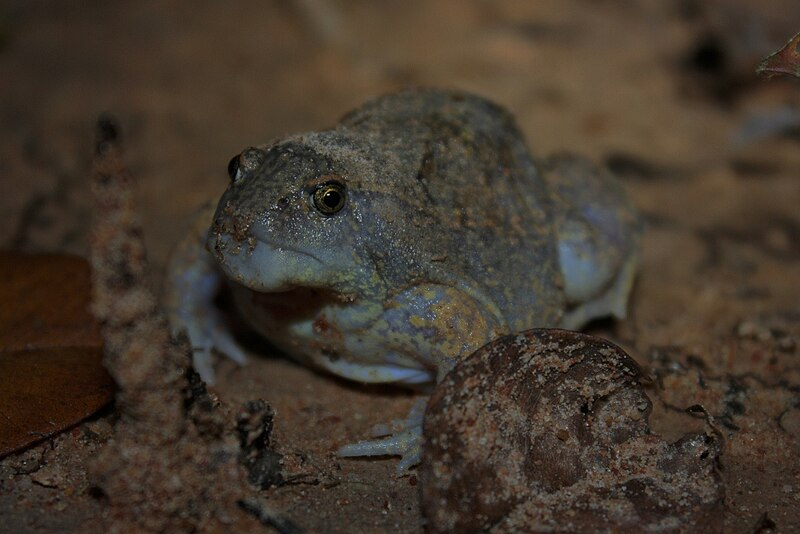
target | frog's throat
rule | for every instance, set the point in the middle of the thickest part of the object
(266, 268)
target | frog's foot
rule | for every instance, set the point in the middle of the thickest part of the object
(405, 441)
(208, 333)
(613, 301)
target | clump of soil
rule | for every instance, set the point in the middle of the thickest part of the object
(547, 431)
(173, 463)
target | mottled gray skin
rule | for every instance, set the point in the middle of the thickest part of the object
(449, 237)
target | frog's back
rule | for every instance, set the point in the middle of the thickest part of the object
(464, 183)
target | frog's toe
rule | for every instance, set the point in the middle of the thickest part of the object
(202, 361)
(224, 342)
(406, 444)
(411, 457)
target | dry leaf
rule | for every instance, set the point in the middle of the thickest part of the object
(45, 391)
(784, 61)
(45, 302)
(51, 372)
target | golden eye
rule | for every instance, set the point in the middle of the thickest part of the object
(329, 198)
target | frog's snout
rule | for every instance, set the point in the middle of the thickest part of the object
(264, 267)
(249, 266)
(236, 227)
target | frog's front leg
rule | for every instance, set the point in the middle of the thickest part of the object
(436, 325)
(191, 286)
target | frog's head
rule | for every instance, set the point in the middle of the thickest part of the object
(289, 220)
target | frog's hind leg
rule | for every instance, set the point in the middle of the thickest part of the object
(597, 229)
(613, 301)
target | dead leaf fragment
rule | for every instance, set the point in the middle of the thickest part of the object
(784, 61)
(51, 371)
(45, 302)
(45, 391)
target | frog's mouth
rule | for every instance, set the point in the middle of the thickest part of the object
(268, 268)
(291, 298)
(294, 304)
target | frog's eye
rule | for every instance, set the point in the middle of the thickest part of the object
(329, 198)
(233, 168)
(245, 163)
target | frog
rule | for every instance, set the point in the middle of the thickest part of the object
(391, 246)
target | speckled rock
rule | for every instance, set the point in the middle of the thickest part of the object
(548, 430)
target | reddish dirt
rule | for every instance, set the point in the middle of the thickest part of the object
(663, 92)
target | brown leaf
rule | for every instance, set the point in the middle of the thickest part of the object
(45, 302)
(51, 372)
(45, 391)
(784, 61)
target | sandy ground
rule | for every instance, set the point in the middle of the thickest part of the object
(663, 93)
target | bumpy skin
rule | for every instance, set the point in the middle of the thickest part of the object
(449, 237)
